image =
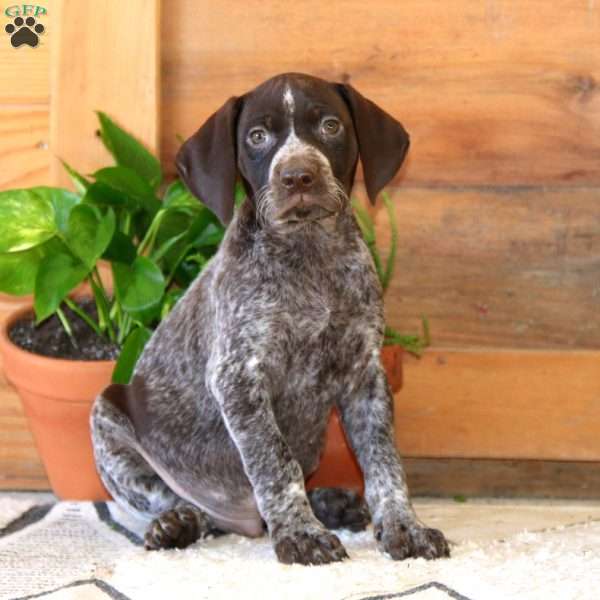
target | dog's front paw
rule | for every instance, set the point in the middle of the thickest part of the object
(309, 547)
(402, 540)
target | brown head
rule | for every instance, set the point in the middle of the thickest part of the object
(295, 141)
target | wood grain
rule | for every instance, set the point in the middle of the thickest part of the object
(115, 69)
(24, 71)
(491, 92)
(501, 404)
(505, 267)
(455, 404)
(24, 109)
(24, 156)
(505, 478)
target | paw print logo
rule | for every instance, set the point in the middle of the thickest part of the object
(24, 31)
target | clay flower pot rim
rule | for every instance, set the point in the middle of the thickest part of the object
(23, 354)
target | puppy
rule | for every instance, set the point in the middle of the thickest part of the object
(227, 411)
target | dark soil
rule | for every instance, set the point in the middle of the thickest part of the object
(50, 339)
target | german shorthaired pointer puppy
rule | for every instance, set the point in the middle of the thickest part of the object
(227, 411)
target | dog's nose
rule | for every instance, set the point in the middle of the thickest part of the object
(297, 179)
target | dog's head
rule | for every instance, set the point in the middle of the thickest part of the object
(295, 141)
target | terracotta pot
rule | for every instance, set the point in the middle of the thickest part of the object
(338, 466)
(57, 396)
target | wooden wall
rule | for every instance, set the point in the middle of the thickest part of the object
(498, 201)
(24, 110)
(500, 231)
(24, 161)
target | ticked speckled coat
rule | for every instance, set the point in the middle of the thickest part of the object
(227, 411)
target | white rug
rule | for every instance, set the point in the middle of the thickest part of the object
(502, 550)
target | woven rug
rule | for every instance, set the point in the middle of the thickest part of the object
(66, 550)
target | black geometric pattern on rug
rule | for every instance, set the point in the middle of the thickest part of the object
(29, 517)
(114, 594)
(421, 588)
(110, 591)
(105, 516)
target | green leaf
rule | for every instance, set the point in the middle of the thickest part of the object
(32, 216)
(169, 241)
(187, 271)
(128, 152)
(391, 259)
(240, 194)
(205, 230)
(129, 183)
(131, 351)
(18, 271)
(169, 245)
(139, 287)
(79, 181)
(62, 202)
(211, 236)
(120, 249)
(89, 232)
(170, 299)
(102, 195)
(178, 196)
(365, 222)
(26, 219)
(57, 275)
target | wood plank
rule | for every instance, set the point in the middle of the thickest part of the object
(501, 404)
(497, 266)
(115, 69)
(24, 155)
(24, 71)
(491, 92)
(508, 478)
(20, 465)
(24, 108)
(455, 404)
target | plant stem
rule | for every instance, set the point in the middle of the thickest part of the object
(67, 326)
(127, 223)
(391, 259)
(177, 262)
(82, 315)
(151, 233)
(102, 303)
(124, 329)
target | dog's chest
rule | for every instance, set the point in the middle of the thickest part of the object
(319, 315)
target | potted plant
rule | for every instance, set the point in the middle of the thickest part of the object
(105, 263)
(62, 353)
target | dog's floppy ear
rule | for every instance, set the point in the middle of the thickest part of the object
(207, 161)
(382, 141)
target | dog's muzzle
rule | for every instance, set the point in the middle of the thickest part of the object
(303, 193)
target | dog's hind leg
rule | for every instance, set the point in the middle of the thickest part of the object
(136, 487)
(339, 508)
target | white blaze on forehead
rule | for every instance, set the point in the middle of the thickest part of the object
(293, 145)
(288, 102)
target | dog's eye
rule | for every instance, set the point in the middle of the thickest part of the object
(330, 126)
(257, 136)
